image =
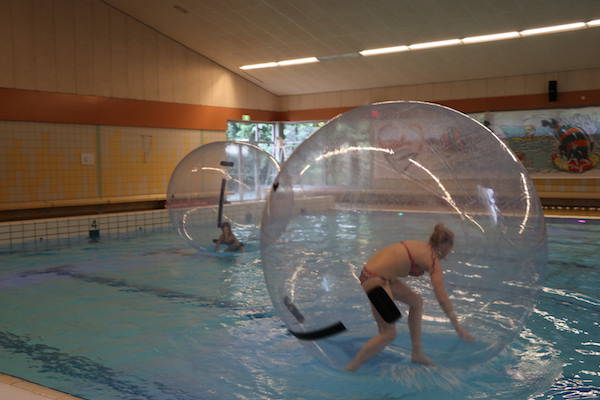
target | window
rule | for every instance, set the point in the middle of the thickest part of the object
(295, 133)
(279, 139)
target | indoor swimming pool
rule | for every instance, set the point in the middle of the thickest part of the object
(147, 317)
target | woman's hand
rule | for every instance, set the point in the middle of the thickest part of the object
(464, 335)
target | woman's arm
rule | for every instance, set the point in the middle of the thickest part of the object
(218, 242)
(437, 282)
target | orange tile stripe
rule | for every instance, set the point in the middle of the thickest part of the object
(503, 103)
(36, 106)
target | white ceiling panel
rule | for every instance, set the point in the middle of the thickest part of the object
(233, 33)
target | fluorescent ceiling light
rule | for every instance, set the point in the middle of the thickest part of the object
(552, 29)
(383, 50)
(298, 61)
(256, 66)
(489, 38)
(440, 43)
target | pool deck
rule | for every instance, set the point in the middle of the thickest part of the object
(14, 388)
(592, 214)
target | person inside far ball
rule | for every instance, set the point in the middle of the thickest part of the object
(228, 238)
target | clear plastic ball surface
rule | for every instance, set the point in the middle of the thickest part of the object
(389, 172)
(216, 183)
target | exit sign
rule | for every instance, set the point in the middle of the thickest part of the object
(245, 117)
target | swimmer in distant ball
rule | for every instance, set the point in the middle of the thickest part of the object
(399, 260)
(228, 238)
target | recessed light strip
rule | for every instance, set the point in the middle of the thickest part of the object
(257, 66)
(440, 43)
(592, 23)
(490, 38)
(283, 63)
(384, 50)
(483, 38)
(553, 29)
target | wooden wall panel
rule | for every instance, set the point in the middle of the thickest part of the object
(135, 59)
(101, 46)
(119, 60)
(6, 45)
(150, 63)
(84, 52)
(44, 43)
(64, 27)
(165, 69)
(23, 44)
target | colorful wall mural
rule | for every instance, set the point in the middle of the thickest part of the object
(550, 141)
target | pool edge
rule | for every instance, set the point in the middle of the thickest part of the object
(30, 388)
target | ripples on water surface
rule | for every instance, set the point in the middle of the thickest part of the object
(148, 318)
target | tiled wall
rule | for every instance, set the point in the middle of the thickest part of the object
(139, 161)
(46, 233)
(42, 162)
(57, 232)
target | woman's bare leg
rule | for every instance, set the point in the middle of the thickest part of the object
(387, 333)
(414, 301)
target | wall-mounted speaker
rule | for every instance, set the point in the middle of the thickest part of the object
(552, 90)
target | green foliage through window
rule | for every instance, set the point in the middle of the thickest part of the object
(279, 139)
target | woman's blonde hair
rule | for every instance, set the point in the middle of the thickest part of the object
(441, 237)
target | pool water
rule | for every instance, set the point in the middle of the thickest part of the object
(150, 318)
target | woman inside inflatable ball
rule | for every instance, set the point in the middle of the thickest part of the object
(217, 193)
(367, 189)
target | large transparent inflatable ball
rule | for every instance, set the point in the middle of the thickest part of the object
(219, 183)
(390, 172)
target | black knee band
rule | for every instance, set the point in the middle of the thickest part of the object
(384, 305)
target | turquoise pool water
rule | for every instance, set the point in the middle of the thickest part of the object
(149, 318)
